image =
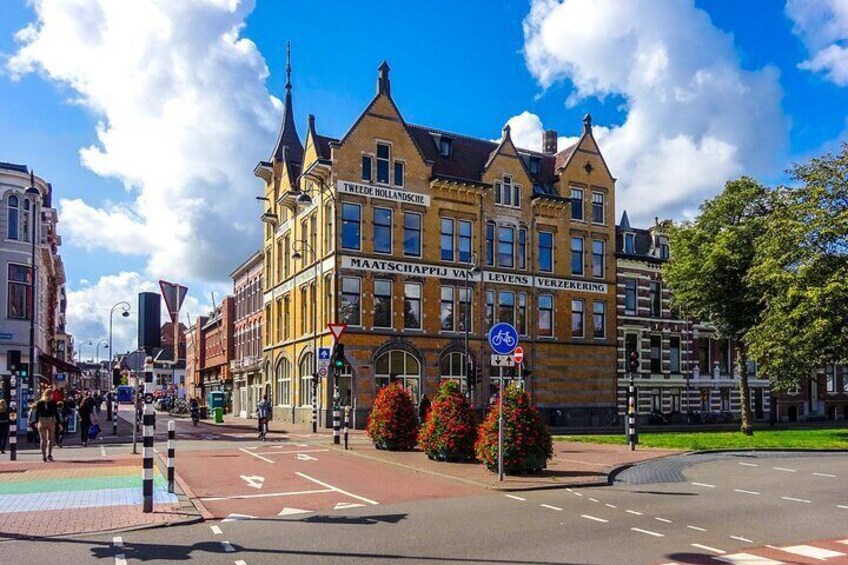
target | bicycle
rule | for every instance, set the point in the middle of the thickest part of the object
(502, 337)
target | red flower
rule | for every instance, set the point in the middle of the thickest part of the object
(393, 423)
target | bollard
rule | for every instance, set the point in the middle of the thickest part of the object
(314, 405)
(148, 420)
(13, 419)
(631, 414)
(171, 440)
(346, 424)
(336, 415)
(114, 417)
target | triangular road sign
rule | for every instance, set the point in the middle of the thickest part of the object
(292, 511)
(346, 505)
(174, 294)
(337, 330)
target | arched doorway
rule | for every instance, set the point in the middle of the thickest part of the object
(397, 365)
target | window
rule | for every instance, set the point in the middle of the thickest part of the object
(282, 249)
(286, 316)
(631, 345)
(451, 368)
(465, 241)
(725, 399)
(577, 316)
(506, 307)
(598, 207)
(576, 255)
(546, 251)
(522, 248)
(506, 247)
(490, 244)
(366, 168)
(19, 301)
(656, 298)
(533, 165)
(307, 381)
(382, 303)
(704, 365)
(545, 324)
(597, 258)
(13, 217)
(465, 315)
(674, 361)
(382, 230)
(507, 193)
(351, 226)
(445, 144)
(328, 231)
(313, 236)
(412, 306)
(304, 236)
(398, 366)
(328, 299)
(446, 311)
(664, 250)
(398, 173)
(630, 296)
(351, 301)
(383, 154)
(411, 234)
(656, 354)
(522, 314)
(576, 204)
(313, 306)
(303, 305)
(498, 188)
(447, 227)
(844, 379)
(284, 382)
(629, 243)
(599, 314)
(490, 308)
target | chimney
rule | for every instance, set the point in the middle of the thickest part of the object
(383, 84)
(549, 142)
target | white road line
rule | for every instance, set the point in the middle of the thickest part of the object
(812, 552)
(548, 506)
(263, 495)
(633, 512)
(512, 496)
(842, 507)
(785, 470)
(291, 452)
(610, 505)
(649, 532)
(239, 562)
(790, 499)
(344, 492)
(255, 455)
(594, 500)
(703, 485)
(216, 530)
(118, 541)
(578, 494)
(120, 559)
(746, 491)
(697, 528)
(228, 547)
(828, 475)
(663, 520)
(595, 518)
(748, 559)
(749, 464)
(708, 548)
(740, 538)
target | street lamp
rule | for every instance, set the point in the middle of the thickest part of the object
(105, 345)
(35, 195)
(125, 306)
(81, 357)
(471, 270)
(297, 255)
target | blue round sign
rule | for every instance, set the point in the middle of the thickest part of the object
(503, 338)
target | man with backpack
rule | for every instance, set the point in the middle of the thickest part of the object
(263, 412)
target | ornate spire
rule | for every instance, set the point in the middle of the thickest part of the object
(288, 65)
(288, 137)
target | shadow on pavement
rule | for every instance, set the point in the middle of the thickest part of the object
(355, 520)
(666, 493)
(691, 558)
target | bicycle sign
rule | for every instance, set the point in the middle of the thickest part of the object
(503, 338)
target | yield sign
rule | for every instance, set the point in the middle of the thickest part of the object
(337, 330)
(253, 481)
(174, 294)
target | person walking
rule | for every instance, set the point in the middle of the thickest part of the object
(4, 425)
(46, 418)
(263, 412)
(61, 423)
(86, 409)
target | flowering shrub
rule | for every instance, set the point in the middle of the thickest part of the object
(527, 444)
(393, 423)
(450, 430)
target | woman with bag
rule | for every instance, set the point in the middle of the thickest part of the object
(85, 410)
(46, 419)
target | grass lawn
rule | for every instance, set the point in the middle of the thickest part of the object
(835, 438)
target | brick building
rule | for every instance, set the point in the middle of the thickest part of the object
(381, 229)
(249, 382)
(212, 350)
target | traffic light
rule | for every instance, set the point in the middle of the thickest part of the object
(116, 377)
(23, 370)
(338, 356)
(633, 363)
(13, 359)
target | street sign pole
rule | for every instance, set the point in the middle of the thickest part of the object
(503, 339)
(500, 430)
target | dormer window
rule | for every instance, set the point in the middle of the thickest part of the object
(533, 165)
(445, 145)
(507, 193)
(663, 249)
(630, 243)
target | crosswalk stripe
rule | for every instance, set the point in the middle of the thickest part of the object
(708, 548)
(811, 551)
(747, 559)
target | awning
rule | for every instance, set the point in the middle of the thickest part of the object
(62, 366)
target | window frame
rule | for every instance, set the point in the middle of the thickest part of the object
(450, 238)
(13, 211)
(502, 306)
(601, 207)
(26, 284)
(577, 203)
(346, 222)
(655, 298)
(451, 304)
(395, 165)
(582, 250)
(383, 228)
(674, 360)
(387, 160)
(545, 332)
(602, 255)
(389, 296)
(418, 299)
(541, 238)
(628, 282)
(370, 169)
(603, 319)
(343, 293)
(655, 362)
(417, 230)
(461, 239)
(582, 317)
(511, 243)
(490, 244)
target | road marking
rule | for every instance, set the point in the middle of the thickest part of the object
(703, 485)
(594, 500)
(512, 496)
(610, 505)
(239, 562)
(557, 508)
(708, 548)
(633, 512)
(842, 507)
(305, 457)
(346, 505)
(216, 530)
(263, 495)
(344, 492)
(228, 547)
(697, 528)
(740, 538)
(102, 451)
(828, 475)
(843, 542)
(748, 559)
(785, 470)
(663, 520)
(578, 494)
(812, 552)
(649, 532)
(120, 559)
(291, 511)
(293, 451)
(746, 491)
(595, 518)
(749, 464)
(118, 541)
(790, 499)
(253, 481)
(256, 455)
(237, 517)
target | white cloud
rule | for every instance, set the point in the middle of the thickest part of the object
(823, 27)
(182, 114)
(694, 117)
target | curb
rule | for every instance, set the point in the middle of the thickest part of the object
(187, 493)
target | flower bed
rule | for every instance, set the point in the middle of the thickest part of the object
(449, 431)
(393, 423)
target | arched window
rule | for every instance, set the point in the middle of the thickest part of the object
(284, 382)
(13, 217)
(450, 368)
(399, 366)
(307, 366)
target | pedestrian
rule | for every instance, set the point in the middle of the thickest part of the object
(263, 412)
(61, 423)
(31, 421)
(423, 408)
(46, 417)
(4, 425)
(86, 409)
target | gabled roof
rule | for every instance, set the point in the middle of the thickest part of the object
(625, 221)
(642, 242)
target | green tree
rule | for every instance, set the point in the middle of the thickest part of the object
(802, 273)
(708, 274)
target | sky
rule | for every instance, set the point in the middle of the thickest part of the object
(149, 116)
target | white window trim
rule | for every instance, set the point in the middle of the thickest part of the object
(603, 196)
(402, 163)
(603, 259)
(420, 234)
(420, 306)
(376, 158)
(391, 229)
(341, 293)
(583, 334)
(606, 314)
(539, 247)
(453, 239)
(582, 256)
(582, 218)
(454, 303)
(391, 304)
(341, 235)
(553, 316)
(498, 186)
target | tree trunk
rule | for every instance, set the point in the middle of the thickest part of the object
(744, 391)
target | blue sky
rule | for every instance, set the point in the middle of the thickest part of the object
(464, 66)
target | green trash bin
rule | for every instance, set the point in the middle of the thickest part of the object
(219, 415)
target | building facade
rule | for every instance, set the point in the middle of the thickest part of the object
(249, 380)
(420, 240)
(213, 348)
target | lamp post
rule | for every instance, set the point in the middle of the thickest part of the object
(105, 344)
(125, 306)
(81, 356)
(471, 270)
(297, 255)
(33, 193)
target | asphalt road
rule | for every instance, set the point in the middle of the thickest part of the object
(722, 508)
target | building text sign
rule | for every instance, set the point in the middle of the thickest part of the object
(383, 193)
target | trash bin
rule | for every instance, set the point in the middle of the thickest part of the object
(218, 413)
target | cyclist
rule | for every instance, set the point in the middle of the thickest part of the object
(263, 411)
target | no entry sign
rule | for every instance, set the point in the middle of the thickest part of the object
(519, 354)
